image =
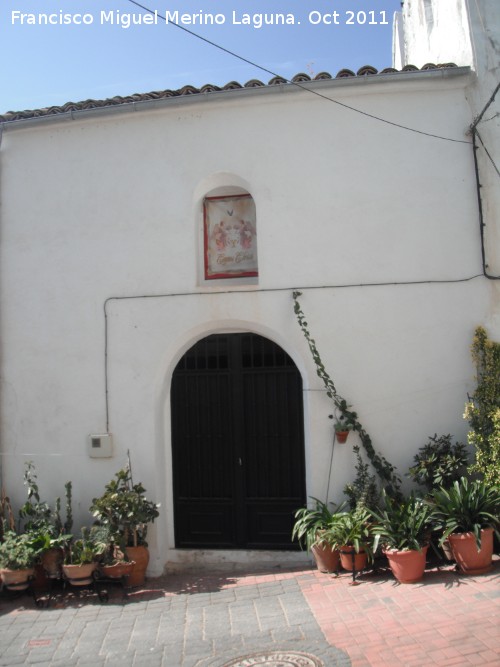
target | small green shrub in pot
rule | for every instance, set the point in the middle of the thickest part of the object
(311, 523)
(468, 512)
(310, 530)
(403, 525)
(403, 528)
(20, 552)
(124, 508)
(351, 534)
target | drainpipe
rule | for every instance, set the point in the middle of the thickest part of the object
(473, 131)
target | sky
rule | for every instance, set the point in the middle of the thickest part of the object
(89, 52)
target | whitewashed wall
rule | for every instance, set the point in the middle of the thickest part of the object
(107, 206)
(465, 32)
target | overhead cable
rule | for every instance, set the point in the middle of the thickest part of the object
(298, 85)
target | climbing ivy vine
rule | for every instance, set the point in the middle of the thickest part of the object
(385, 470)
(483, 409)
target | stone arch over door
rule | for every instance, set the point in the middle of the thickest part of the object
(237, 444)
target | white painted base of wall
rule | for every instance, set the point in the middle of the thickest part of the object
(183, 560)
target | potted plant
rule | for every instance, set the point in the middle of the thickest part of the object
(114, 562)
(38, 517)
(343, 425)
(80, 560)
(467, 514)
(352, 535)
(124, 508)
(403, 528)
(18, 555)
(310, 528)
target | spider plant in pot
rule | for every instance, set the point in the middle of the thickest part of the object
(351, 534)
(467, 514)
(310, 530)
(403, 528)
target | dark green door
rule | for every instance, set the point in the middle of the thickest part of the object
(237, 444)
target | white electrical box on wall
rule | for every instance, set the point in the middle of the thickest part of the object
(100, 446)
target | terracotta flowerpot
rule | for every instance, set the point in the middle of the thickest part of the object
(17, 580)
(52, 561)
(341, 436)
(407, 566)
(118, 570)
(140, 555)
(346, 559)
(326, 557)
(79, 575)
(465, 552)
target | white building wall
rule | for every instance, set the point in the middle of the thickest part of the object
(466, 32)
(103, 208)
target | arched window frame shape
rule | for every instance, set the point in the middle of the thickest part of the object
(229, 236)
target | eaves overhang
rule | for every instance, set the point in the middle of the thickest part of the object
(345, 79)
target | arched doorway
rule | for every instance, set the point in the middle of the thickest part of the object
(237, 444)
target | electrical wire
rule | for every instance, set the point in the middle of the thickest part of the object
(240, 294)
(487, 152)
(298, 85)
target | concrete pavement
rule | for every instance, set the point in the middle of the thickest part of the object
(218, 620)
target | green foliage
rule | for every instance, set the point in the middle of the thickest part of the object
(124, 508)
(311, 523)
(7, 520)
(363, 491)
(352, 529)
(83, 551)
(483, 410)
(402, 525)
(343, 424)
(466, 507)
(37, 516)
(19, 552)
(439, 463)
(385, 470)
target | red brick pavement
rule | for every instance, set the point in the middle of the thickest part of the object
(447, 619)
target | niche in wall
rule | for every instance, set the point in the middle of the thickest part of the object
(230, 235)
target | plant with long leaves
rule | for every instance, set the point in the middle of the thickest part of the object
(402, 525)
(312, 523)
(352, 529)
(466, 507)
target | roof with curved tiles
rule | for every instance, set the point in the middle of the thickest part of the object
(364, 71)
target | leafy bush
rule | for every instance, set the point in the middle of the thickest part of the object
(466, 507)
(19, 552)
(402, 525)
(312, 523)
(124, 508)
(439, 463)
(483, 410)
(363, 491)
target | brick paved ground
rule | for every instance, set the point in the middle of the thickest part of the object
(206, 620)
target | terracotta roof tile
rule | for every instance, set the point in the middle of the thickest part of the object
(367, 70)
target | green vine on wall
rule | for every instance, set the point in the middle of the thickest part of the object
(483, 409)
(385, 470)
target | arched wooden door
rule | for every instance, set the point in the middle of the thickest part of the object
(237, 444)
